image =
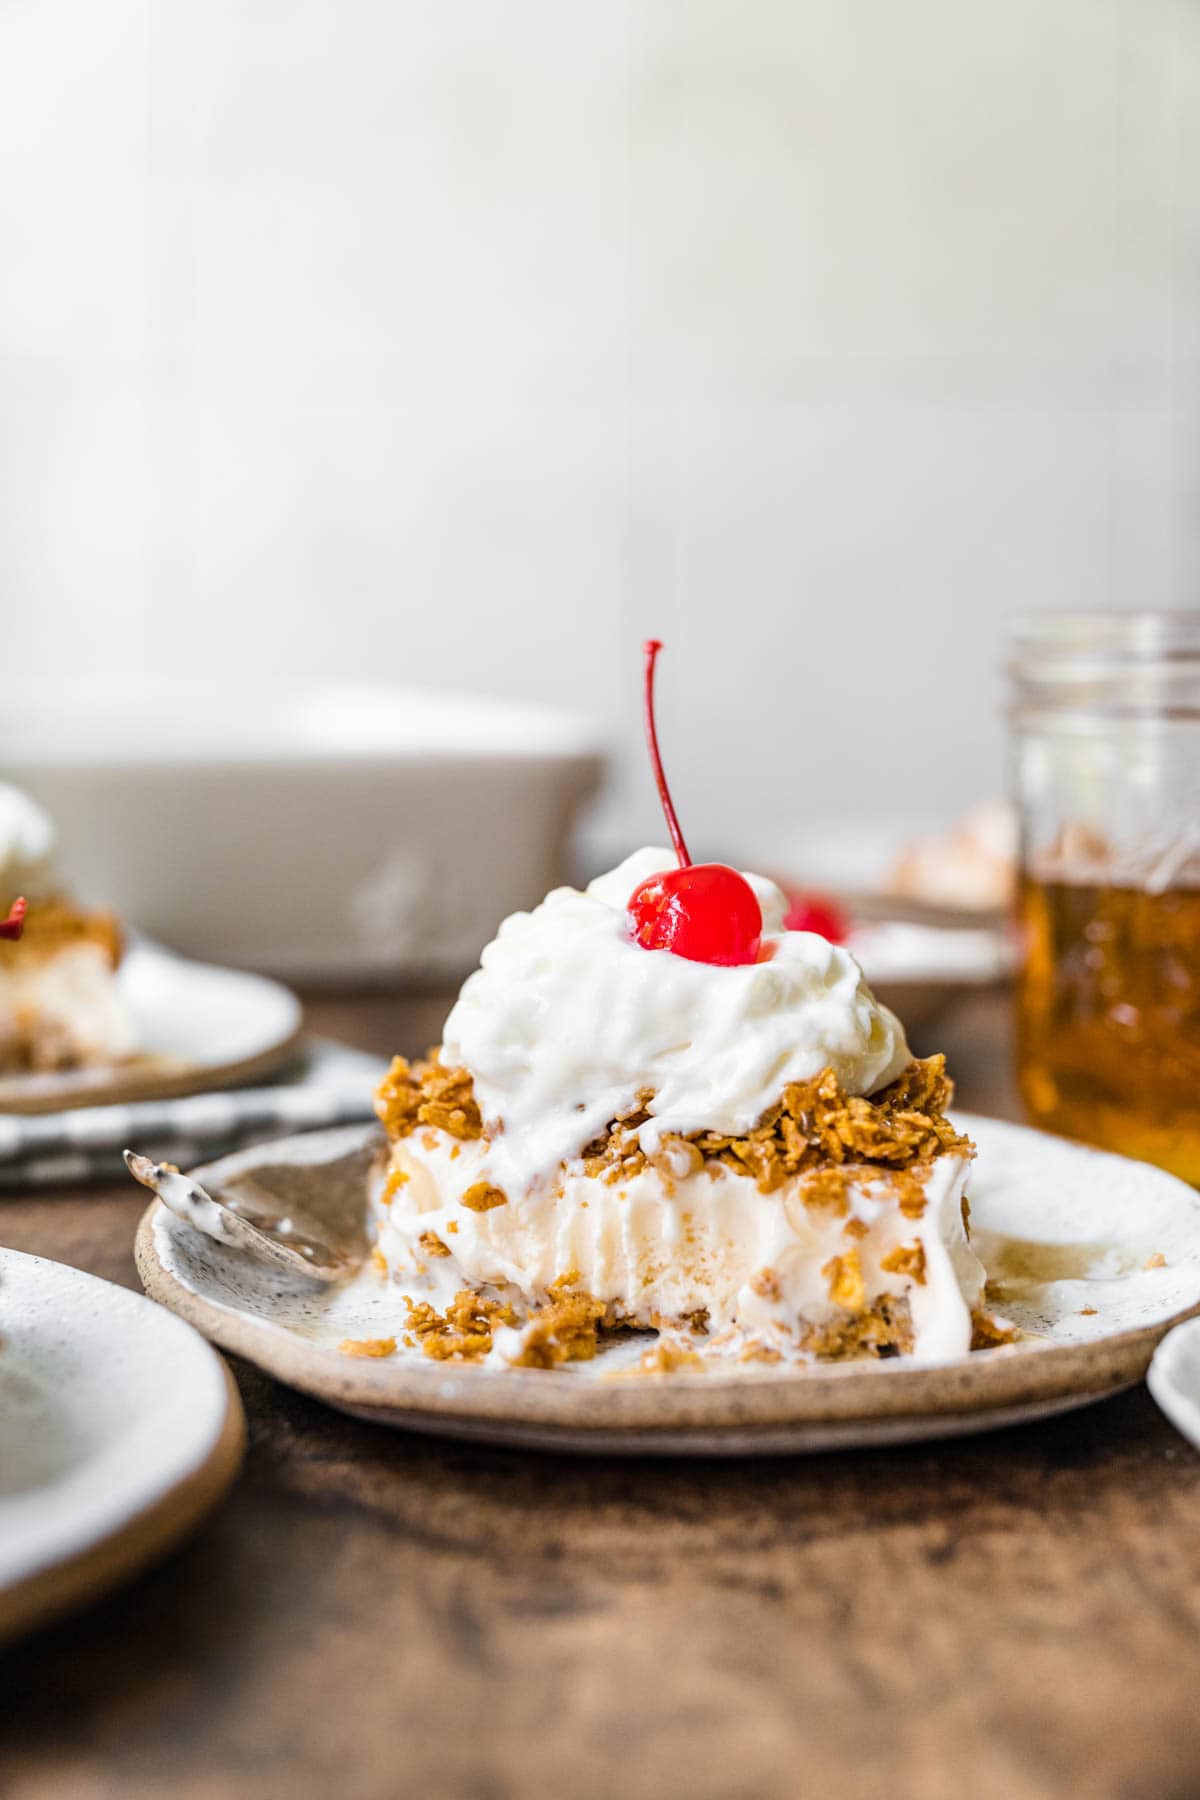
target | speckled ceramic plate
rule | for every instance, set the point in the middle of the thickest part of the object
(119, 1428)
(1092, 1256)
(1174, 1378)
(198, 1027)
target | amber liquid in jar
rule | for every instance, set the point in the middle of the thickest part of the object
(1108, 1017)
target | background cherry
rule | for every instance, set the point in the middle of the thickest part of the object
(816, 912)
(14, 925)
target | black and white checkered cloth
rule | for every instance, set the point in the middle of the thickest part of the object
(327, 1084)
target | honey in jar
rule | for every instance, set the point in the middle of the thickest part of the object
(1108, 1017)
(1106, 771)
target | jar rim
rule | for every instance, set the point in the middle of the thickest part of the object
(1137, 666)
(1091, 638)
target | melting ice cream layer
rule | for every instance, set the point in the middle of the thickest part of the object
(661, 1248)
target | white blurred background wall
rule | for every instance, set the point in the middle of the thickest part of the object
(471, 341)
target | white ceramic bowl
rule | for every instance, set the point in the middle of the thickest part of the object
(313, 831)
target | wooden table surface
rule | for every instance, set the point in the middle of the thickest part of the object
(371, 1614)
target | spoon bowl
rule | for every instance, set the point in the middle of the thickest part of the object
(288, 1215)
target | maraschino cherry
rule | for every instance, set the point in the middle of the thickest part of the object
(705, 912)
(14, 925)
(816, 912)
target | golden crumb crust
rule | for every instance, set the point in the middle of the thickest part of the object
(988, 1333)
(572, 1324)
(566, 1329)
(667, 1357)
(56, 924)
(385, 1346)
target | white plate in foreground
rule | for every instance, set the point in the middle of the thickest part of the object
(198, 1027)
(1093, 1256)
(1174, 1379)
(120, 1428)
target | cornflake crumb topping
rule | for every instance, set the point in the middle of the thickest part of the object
(815, 1129)
(391, 1187)
(845, 1277)
(815, 1124)
(906, 1259)
(481, 1197)
(568, 1329)
(427, 1093)
(988, 1333)
(766, 1284)
(368, 1346)
(564, 1330)
(463, 1333)
(665, 1357)
(883, 1329)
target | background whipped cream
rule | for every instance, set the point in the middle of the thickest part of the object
(568, 1019)
(27, 845)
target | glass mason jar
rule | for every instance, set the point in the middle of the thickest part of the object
(1106, 759)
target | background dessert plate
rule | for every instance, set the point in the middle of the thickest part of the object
(923, 968)
(119, 1426)
(1093, 1256)
(198, 1027)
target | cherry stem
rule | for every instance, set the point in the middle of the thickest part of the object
(13, 926)
(652, 647)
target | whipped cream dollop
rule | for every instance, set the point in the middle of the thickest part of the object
(567, 1021)
(27, 844)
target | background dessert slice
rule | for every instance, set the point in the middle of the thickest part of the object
(60, 1005)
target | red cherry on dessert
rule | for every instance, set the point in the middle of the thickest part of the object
(705, 912)
(816, 912)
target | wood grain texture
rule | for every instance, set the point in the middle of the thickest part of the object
(372, 1614)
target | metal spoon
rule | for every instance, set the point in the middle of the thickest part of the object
(277, 1239)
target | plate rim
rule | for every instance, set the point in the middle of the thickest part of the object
(754, 1441)
(1181, 1406)
(119, 1085)
(81, 1575)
